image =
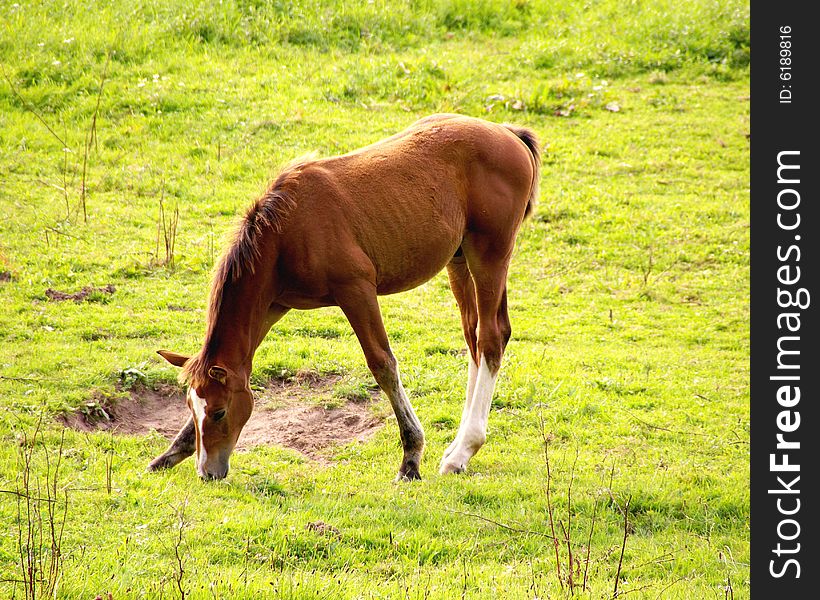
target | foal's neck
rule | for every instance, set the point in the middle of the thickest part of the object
(240, 323)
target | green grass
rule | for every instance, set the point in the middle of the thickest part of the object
(628, 293)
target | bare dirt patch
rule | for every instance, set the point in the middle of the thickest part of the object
(88, 293)
(301, 414)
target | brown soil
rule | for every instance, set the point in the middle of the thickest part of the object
(83, 294)
(286, 414)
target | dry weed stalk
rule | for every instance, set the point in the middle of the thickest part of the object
(167, 232)
(109, 464)
(42, 511)
(91, 137)
(178, 547)
(569, 576)
(547, 439)
(623, 546)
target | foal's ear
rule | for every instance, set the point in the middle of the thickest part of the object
(218, 373)
(178, 360)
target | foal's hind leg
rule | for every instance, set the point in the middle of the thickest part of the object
(461, 283)
(361, 307)
(493, 333)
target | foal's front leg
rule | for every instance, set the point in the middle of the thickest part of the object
(183, 446)
(361, 307)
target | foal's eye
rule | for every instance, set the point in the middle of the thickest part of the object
(218, 415)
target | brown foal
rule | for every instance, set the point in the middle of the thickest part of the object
(449, 191)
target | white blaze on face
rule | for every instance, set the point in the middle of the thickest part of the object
(198, 406)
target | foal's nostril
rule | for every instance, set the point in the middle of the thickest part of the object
(211, 476)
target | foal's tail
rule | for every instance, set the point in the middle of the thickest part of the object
(530, 141)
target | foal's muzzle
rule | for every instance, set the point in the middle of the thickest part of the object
(210, 475)
(216, 467)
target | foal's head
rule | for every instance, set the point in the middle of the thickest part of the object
(221, 403)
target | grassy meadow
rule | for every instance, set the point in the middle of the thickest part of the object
(628, 293)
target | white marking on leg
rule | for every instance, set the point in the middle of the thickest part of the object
(412, 434)
(473, 431)
(472, 372)
(401, 404)
(476, 431)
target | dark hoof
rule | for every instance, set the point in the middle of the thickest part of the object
(409, 471)
(166, 461)
(158, 464)
(408, 476)
(452, 468)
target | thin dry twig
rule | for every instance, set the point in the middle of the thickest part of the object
(65, 175)
(650, 263)
(729, 590)
(623, 546)
(30, 107)
(589, 544)
(568, 531)
(63, 233)
(168, 228)
(678, 580)
(546, 441)
(660, 428)
(20, 494)
(49, 184)
(568, 542)
(498, 524)
(662, 558)
(40, 520)
(637, 589)
(109, 463)
(21, 379)
(180, 563)
(91, 137)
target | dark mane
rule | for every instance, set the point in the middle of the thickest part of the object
(268, 213)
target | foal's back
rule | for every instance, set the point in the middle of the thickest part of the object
(397, 211)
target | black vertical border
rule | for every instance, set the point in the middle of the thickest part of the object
(778, 126)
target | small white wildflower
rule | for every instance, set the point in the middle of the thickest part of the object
(141, 83)
(579, 75)
(68, 40)
(56, 63)
(41, 44)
